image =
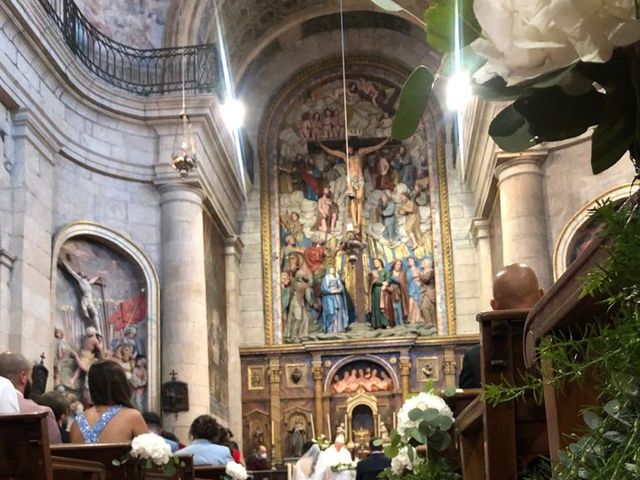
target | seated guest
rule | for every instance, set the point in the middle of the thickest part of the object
(376, 462)
(155, 426)
(8, 397)
(235, 451)
(259, 460)
(515, 287)
(203, 432)
(17, 369)
(112, 418)
(59, 404)
(172, 436)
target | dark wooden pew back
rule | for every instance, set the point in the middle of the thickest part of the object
(24, 447)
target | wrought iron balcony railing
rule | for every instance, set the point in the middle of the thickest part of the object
(141, 71)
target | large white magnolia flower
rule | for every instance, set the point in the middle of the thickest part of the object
(423, 401)
(523, 39)
(151, 446)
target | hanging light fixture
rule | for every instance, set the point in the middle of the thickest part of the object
(183, 159)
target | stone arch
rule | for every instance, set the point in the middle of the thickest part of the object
(579, 220)
(381, 362)
(133, 252)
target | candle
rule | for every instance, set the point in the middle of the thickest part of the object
(394, 420)
(273, 433)
(346, 426)
(313, 427)
(379, 425)
(329, 427)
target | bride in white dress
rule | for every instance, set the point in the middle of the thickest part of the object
(306, 465)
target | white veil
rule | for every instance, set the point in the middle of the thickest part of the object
(306, 465)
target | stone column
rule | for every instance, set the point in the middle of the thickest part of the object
(183, 294)
(523, 217)
(276, 410)
(317, 397)
(6, 265)
(233, 253)
(480, 232)
(405, 374)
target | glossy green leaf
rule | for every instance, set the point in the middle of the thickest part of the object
(417, 435)
(444, 422)
(440, 19)
(169, 469)
(428, 386)
(496, 90)
(510, 130)
(426, 428)
(377, 442)
(388, 5)
(413, 103)
(612, 407)
(391, 451)
(555, 115)
(116, 463)
(395, 438)
(614, 134)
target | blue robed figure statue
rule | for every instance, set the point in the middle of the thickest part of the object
(335, 316)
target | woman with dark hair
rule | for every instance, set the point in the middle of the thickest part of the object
(204, 432)
(112, 417)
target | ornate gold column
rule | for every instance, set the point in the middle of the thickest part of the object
(317, 396)
(405, 373)
(276, 411)
(450, 367)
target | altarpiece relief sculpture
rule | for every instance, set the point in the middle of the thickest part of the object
(101, 301)
(359, 233)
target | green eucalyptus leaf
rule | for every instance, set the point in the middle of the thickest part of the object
(426, 428)
(615, 437)
(391, 451)
(511, 131)
(430, 414)
(412, 104)
(169, 469)
(116, 463)
(444, 422)
(449, 391)
(417, 435)
(395, 438)
(388, 5)
(591, 419)
(440, 20)
(415, 414)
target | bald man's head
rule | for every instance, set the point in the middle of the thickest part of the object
(17, 369)
(515, 286)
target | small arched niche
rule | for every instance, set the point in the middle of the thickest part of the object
(367, 373)
(105, 306)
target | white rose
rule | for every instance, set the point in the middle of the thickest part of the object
(523, 39)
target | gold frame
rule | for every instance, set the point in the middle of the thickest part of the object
(250, 385)
(265, 192)
(304, 369)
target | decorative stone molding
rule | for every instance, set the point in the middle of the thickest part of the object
(524, 163)
(234, 246)
(480, 229)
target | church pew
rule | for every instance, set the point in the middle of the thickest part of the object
(514, 432)
(24, 447)
(563, 308)
(75, 469)
(215, 472)
(468, 435)
(105, 453)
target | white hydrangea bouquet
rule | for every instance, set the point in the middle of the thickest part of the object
(151, 452)
(236, 471)
(422, 433)
(564, 65)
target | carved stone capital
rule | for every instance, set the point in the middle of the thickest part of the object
(480, 229)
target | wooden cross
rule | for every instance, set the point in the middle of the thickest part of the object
(173, 374)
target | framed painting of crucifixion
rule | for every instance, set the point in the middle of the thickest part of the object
(356, 237)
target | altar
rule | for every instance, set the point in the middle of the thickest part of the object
(292, 394)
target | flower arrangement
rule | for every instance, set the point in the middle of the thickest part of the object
(236, 471)
(565, 66)
(424, 421)
(150, 451)
(343, 467)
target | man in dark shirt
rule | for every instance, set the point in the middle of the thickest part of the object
(259, 460)
(376, 462)
(515, 287)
